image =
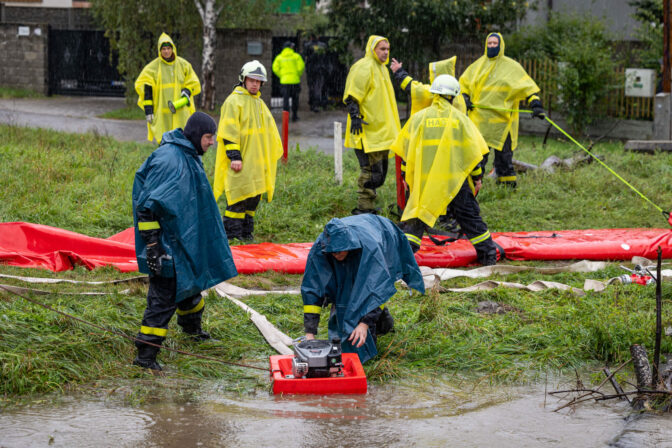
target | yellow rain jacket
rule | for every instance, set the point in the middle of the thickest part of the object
(288, 66)
(497, 82)
(167, 80)
(421, 97)
(442, 147)
(369, 83)
(246, 122)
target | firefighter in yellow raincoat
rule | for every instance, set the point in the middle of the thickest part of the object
(373, 119)
(167, 78)
(443, 151)
(248, 150)
(497, 81)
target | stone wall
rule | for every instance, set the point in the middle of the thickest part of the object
(57, 18)
(23, 58)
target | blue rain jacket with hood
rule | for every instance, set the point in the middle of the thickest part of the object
(173, 185)
(379, 255)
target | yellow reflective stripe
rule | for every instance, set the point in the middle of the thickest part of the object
(480, 238)
(161, 332)
(507, 179)
(414, 239)
(250, 212)
(312, 309)
(234, 215)
(147, 103)
(148, 225)
(382, 307)
(405, 82)
(477, 172)
(232, 146)
(195, 309)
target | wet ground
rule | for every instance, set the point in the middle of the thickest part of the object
(389, 416)
(80, 114)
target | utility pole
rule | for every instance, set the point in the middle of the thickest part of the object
(667, 10)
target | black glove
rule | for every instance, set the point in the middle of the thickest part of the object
(467, 101)
(154, 254)
(356, 119)
(537, 109)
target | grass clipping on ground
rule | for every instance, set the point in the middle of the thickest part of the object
(83, 183)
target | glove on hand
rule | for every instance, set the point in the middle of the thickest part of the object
(537, 109)
(356, 124)
(154, 254)
(467, 101)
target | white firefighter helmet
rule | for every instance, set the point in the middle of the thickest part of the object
(253, 69)
(445, 85)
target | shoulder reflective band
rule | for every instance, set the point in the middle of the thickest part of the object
(405, 82)
(232, 147)
(480, 238)
(161, 332)
(148, 225)
(195, 309)
(312, 309)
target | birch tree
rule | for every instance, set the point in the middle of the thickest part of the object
(209, 12)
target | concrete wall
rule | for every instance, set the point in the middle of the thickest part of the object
(617, 14)
(232, 53)
(23, 59)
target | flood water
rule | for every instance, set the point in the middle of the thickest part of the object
(388, 416)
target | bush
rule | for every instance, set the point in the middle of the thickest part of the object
(586, 64)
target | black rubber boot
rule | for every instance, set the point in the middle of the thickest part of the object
(147, 358)
(233, 227)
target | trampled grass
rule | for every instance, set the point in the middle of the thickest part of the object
(83, 183)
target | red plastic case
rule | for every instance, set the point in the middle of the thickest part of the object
(353, 380)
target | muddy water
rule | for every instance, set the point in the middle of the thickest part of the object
(390, 416)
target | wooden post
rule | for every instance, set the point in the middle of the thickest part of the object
(401, 184)
(659, 326)
(640, 361)
(338, 152)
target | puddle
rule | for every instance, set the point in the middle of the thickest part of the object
(390, 416)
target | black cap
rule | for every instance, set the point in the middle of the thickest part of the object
(197, 126)
(288, 44)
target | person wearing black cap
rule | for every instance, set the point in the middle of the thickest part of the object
(179, 237)
(288, 66)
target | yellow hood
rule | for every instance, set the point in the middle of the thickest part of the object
(162, 40)
(445, 67)
(500, 55)
(371, 45)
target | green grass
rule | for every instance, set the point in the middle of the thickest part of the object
(83, 183)
(130, 112)
(13, 92)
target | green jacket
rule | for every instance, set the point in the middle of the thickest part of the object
(288, 66)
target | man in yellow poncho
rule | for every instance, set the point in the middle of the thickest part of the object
(443, 151)
(373, 119)
(497, 81)
(167, 78)
(248, 150)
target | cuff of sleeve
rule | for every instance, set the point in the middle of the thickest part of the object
(148, 225)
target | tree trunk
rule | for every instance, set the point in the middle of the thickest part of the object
(642, 368)
(209, 15)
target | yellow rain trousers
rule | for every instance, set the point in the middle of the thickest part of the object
(369, 83)
(497, 82)
(441, 147)
(167, 80)
(246, 122)
(421, 97)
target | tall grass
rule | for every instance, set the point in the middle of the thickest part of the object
(83, 183)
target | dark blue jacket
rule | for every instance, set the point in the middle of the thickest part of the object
(173, 186)
(379, 255)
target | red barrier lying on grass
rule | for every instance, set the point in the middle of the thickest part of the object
(38, 246)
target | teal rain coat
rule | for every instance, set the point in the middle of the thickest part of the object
(379, 256)
(173, 185)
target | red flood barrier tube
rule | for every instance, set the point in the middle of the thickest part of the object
(353, 380)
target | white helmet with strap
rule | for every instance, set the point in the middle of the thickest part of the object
(445, 85)
(253, 69)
